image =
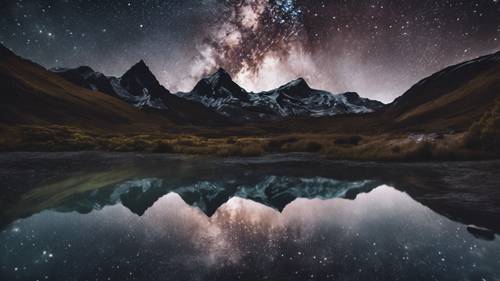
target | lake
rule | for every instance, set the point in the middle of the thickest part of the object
(127, 216)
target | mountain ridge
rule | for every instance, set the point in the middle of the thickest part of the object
(42, 111)
(220, 93)
(293, 99)
(139, 87)
(32, 94)
(447, 101)
(457, 95)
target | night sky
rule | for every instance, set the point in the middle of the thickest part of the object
(377, 48)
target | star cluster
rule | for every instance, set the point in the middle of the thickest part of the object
(376, 47)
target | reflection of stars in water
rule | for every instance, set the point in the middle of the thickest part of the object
(310, 239)
(48, 255)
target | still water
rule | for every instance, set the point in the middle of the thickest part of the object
(260, 219)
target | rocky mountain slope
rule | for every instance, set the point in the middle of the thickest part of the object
(220, 93)
(448, 101)
(140, 88)
(32, 95)
(294, 99)
(137, 86)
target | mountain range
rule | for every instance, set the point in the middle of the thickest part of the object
(450, 100)
(140, 88)
(294, 99)
(218, 92)
(32, 95)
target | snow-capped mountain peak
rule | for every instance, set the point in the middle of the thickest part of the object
(297, 83)
(137, 86)
(138, 68)
(220, 93)
(139, 80)
(217, 87)
(297, 88)
(295, 98)
(219, 78)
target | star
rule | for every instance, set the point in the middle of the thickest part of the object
(330, 41)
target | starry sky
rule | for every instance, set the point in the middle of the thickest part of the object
(381, 235)
(378, 48)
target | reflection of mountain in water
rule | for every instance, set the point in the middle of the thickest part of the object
(274, 191)
(462, 191)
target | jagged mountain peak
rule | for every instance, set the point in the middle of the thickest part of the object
(220, 78)
(298, 85)
(297, 88)
(141, 64)
(139, 80)
(140, 68)
(295, 98)
(299, 82)
(221, 72)
(351, 96)
(218, 91)
(85, 69)
(219, 84)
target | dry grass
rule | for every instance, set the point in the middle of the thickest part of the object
(384, 147)
(485, 133)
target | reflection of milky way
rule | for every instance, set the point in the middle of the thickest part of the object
(381, 235)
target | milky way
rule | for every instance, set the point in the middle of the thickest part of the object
(378, 48)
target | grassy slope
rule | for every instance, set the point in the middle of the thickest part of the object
(32, 95)
(41, 111)
(451, 99)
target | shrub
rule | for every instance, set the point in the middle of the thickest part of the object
(396, 149)
(232, 140)
(140, 145)
(190, 141)
(55, 138)
(163, 147)
(352, 140)
(276, 145)
(42, 134)
(125, 144)
(313, 146)
(485, 133)
(245, 149)
(423, 151)
(252, 150)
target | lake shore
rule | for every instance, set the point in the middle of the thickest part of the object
(411, 146)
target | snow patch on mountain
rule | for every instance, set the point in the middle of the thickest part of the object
(138, 86)
(293, 99)
(218, 92)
